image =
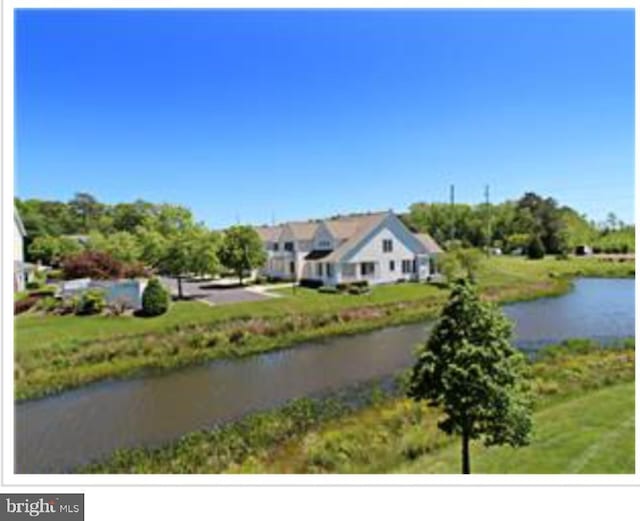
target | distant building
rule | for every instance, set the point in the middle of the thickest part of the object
(376, 247)
(22, 270)
(583, 250)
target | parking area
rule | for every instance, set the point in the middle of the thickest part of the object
(216, 292)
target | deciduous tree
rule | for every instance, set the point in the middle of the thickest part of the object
(469, 368)
(242, 250)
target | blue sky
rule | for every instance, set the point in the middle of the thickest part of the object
(253, 115)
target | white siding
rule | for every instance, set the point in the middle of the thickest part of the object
(372, 251)
(323, 240)
(18, 243)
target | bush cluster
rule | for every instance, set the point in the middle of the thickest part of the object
(535, 249)
(99, 265)
(358, 287)
(91, 302)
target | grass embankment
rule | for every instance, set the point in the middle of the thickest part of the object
(583, 423)
(56, 353)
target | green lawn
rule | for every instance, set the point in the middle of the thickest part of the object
(589, 434)
(54, 353)
(500, 274)
(35, 330)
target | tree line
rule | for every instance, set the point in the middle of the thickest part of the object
(520, 224)
(167, 238)
(163, 237)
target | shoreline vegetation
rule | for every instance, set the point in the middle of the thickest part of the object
(377, 429)
(54, 354)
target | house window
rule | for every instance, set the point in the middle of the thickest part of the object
(324, 245)
(319, 269)
(329, 270)
(275, 246)
(288, 246)
(392, 265)
(407, 266)
(387, 245)
(348, 270)
(432, 265)
(367, 268)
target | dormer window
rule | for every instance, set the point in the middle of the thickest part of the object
(324, 245)
(387, 245)
(288, 246)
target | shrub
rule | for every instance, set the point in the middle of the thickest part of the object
(361, 283)
(535, 249)
(48, 304)
(43, 292)
(343, 286)
(68, 305)
(55, 275)
(91, 302)
(155, 299)
(92, 264)
(134, 270)
(328, 289)
(117, 307)
(34, 284)
(310, 283)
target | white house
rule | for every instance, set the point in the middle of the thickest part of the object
(376, 247)
(21, 269)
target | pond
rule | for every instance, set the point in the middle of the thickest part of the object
(59, 433)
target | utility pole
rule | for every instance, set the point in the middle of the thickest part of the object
(452, 197)
(486, 196)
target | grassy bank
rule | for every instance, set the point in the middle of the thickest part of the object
(583, 423)
(57, 353)
(589, 434)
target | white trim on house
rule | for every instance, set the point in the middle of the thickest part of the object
(377, 247)
(20, 269)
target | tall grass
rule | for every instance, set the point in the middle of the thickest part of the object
(378, 433)
(57, 353)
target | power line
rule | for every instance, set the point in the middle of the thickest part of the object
(486, 196)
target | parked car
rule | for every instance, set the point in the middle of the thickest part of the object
(583, 250)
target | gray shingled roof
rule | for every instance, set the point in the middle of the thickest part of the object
(363, 225)
(269, 233)
(350, 229)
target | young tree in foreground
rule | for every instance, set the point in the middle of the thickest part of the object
(470, 369)
(242, 250)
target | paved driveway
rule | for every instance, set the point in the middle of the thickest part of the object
(215, 292)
